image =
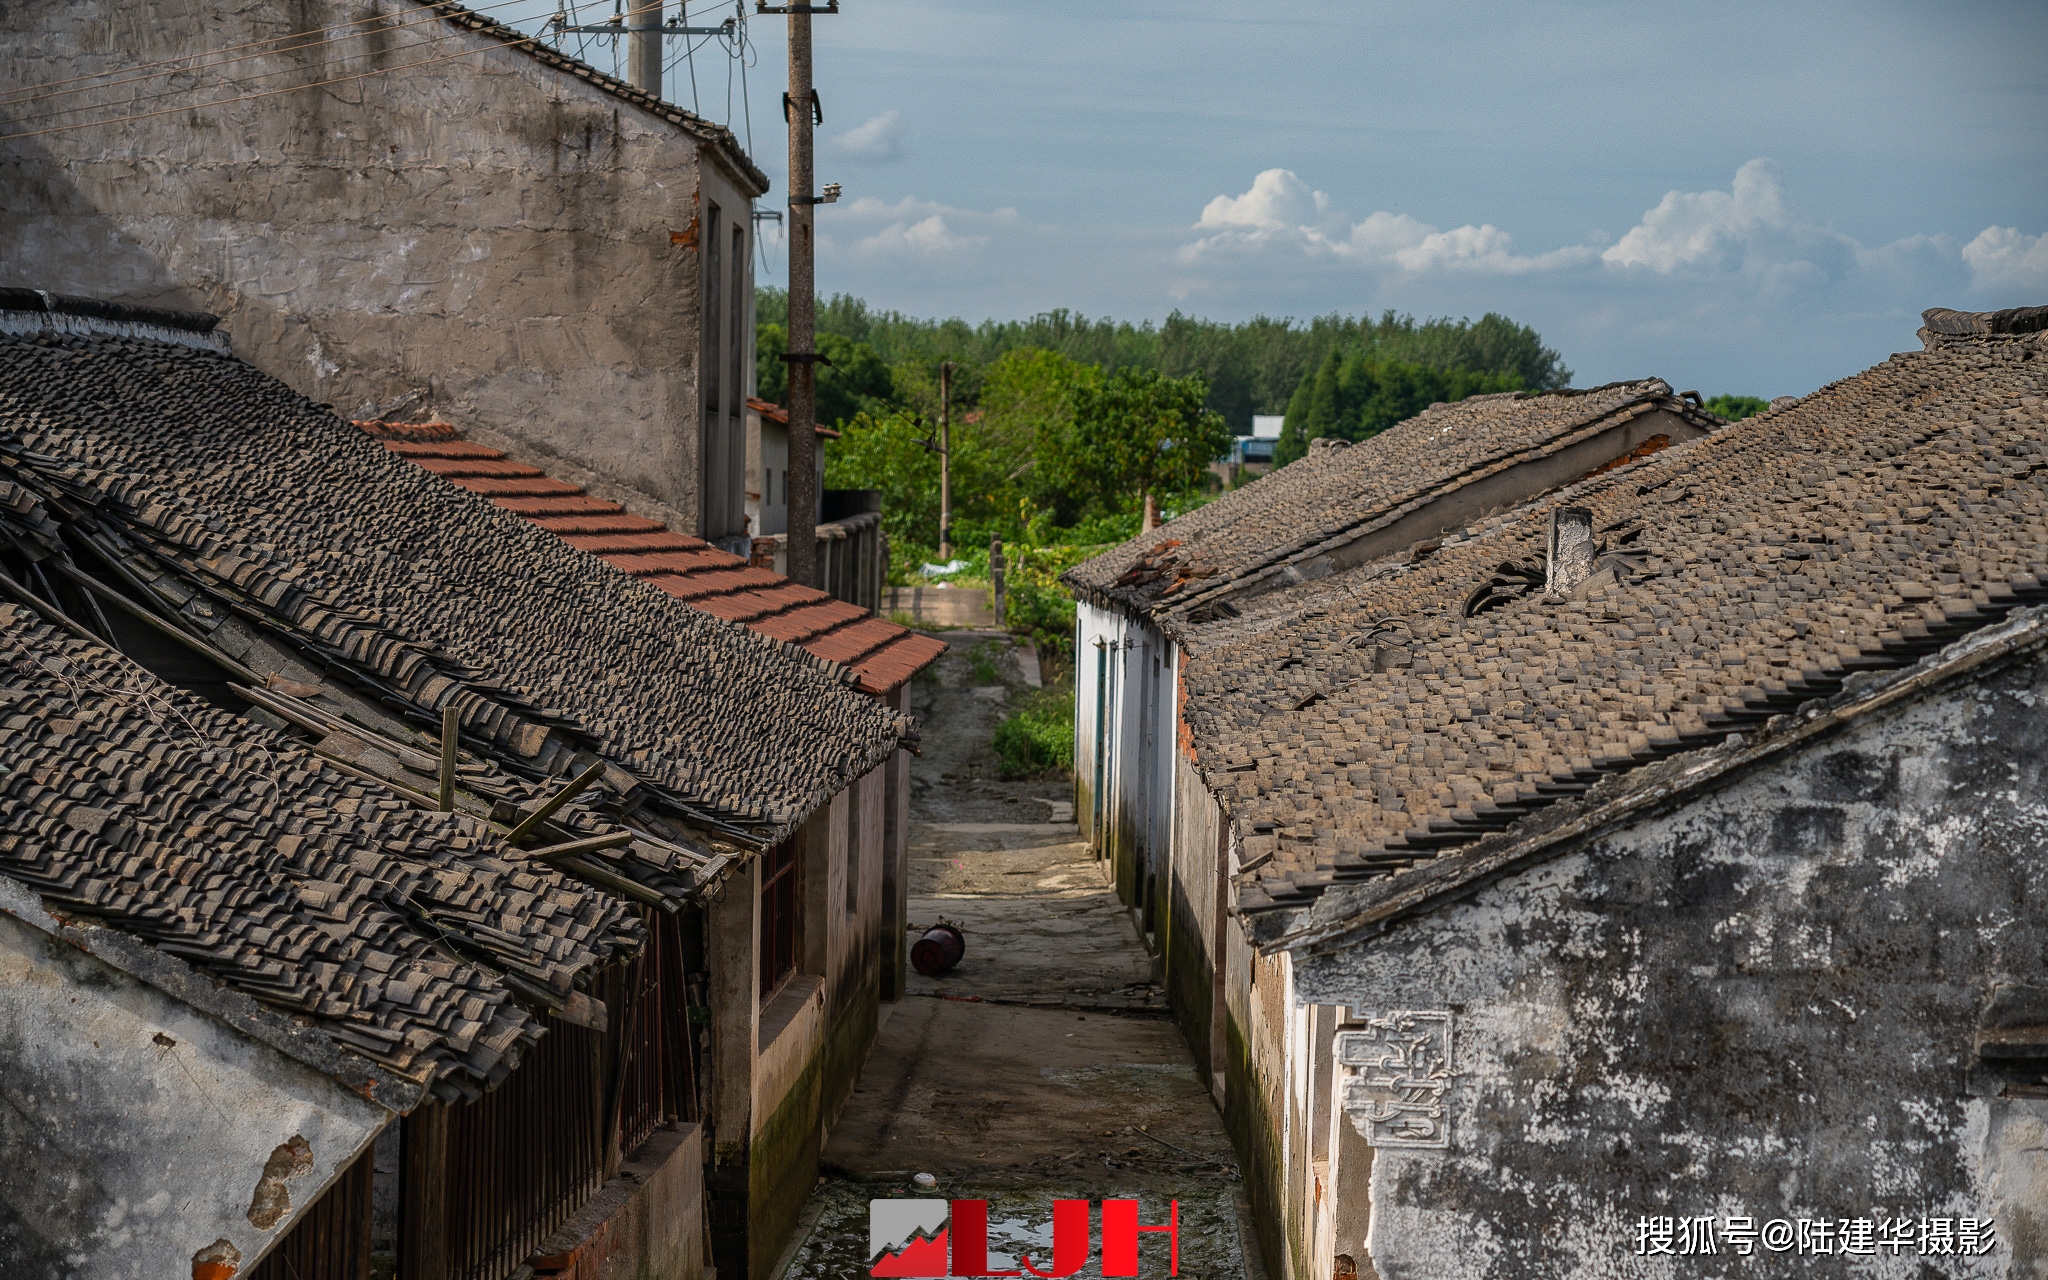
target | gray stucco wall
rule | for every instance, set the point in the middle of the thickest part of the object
(137, 1129)
(483, 238)
(1762, 1004)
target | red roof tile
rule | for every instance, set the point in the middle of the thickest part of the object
(579, 505)
(604, 544)
(598, 522)
(471, 467)
(440, 449)
(881, 654)
(539, 486)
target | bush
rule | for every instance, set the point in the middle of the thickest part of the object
(1736, 408)
(1038, 737)
(1035, 604)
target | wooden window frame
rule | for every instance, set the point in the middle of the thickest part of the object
(780, 936)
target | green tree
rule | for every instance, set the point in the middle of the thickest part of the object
(1736, 408)
(1027, 396)
(1251, 367)
(771, 371)
(886, 452)
(1137, 435)
(1360, 395)
(856, 379)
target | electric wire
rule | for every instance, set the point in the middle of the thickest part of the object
(739, 47)
(746, 42)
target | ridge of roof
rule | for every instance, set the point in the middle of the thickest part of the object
(780, 416)
(67, 304)
(727, 146)
(2012, 321)
(1370, 721)
(881, 654)
(26, 311)
(1340, 489)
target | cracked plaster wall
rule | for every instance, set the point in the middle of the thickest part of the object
(484, 238)
(139, 1130)
(1762, 1003)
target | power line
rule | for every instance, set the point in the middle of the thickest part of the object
(268, 93)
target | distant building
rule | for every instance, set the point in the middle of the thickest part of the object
(1252, 455)
(1339, 507)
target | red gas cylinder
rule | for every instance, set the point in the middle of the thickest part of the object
(938, 950)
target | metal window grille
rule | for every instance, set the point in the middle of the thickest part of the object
(519, 1161)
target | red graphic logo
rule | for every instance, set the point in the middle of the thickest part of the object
(928, 1239)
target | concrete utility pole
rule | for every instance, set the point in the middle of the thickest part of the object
(945, 461)
(644, 46)
(803, 296)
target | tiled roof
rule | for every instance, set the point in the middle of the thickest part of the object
(1339, 492)
(401, 934)
(778, 415)
(881, 654)
(288, 519)
(1357, 725)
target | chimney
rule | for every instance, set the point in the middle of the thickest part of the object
(644, 45)
(1571, 550)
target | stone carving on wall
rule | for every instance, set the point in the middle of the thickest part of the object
(1397, 1077)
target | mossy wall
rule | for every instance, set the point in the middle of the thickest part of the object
(1190, 976)
(1248, 1115)
(783, 1159)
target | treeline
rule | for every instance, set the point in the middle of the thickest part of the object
(1254, 367)
(1069, 432)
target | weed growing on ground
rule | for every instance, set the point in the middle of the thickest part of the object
(983, 660)
(1037, 738)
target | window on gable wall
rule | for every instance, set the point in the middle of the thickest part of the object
(780, 924)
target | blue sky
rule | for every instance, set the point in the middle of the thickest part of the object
(1754, 198)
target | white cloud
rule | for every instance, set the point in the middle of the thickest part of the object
(1748, 229)
(877, 141)
(926, 237)
(1279, 200)
(1749, 237)
(1280, 210)
(2007, 258)
(869, 228)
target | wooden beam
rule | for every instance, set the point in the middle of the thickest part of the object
(450, 728)
(533, 820)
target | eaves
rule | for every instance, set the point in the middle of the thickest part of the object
(1304, 553)
(1343, 917)
(239, 1012)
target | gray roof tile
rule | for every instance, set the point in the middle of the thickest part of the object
(1358, 724)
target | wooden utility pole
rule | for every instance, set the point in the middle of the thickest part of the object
(803, 297)
(945, 461)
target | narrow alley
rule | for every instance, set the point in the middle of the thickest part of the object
(1044, 1066)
